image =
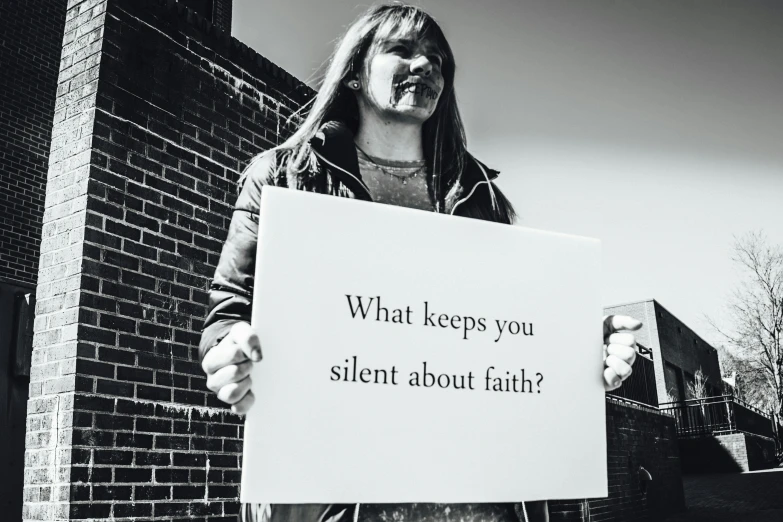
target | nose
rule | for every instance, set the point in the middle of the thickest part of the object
(421, 65)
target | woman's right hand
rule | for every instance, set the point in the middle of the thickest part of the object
(228, 366)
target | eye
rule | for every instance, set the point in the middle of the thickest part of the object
(399, 49)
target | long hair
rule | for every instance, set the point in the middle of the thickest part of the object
(444, 140)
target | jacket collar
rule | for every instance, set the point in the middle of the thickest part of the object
(334, 144)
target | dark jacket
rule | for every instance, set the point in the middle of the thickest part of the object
(470, 193)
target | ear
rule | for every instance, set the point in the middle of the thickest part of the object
(352, 83)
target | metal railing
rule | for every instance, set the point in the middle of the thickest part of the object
(640, 386)
(717, 415)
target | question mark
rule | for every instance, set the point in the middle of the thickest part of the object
(540, 378)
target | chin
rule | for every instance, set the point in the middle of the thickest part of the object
(410, 113)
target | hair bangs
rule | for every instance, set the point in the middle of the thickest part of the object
(403, 23)
(406, 22)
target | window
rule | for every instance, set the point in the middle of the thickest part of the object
(673, 381)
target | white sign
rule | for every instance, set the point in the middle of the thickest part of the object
(416, 357)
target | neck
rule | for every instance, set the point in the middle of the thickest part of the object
(393, 140)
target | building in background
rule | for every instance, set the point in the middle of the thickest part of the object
(677, 352)
(716, 432)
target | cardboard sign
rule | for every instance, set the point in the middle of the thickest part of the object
(416, 357)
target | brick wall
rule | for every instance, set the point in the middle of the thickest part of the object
(222, 14)
(30, 43)
(760, 451)
(685, 349)
(156, 113)
(53, 378)
(729, 453)
(217, 12)
(636, 436)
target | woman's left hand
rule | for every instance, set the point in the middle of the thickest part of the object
(619, 349)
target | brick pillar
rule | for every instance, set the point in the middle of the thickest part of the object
(156, 113)
(53, 378)
(222, 14)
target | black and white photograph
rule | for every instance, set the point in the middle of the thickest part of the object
(394, 261)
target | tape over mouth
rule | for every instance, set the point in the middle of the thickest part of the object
(414, 84)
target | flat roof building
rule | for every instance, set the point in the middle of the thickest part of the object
(676, 350)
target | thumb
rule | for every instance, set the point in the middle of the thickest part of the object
(615, 323)
(247, 340)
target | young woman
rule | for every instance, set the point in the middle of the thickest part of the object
(384, 127)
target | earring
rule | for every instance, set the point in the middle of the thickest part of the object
(354, 84)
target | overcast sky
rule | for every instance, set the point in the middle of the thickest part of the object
(656, 127)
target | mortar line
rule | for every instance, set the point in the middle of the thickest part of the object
(165, 139)
(264, 97)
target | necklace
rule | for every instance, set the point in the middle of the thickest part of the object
(401, 177)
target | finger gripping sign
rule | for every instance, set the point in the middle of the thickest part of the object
(419, 357)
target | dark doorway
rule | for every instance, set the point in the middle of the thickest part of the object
(17, 304)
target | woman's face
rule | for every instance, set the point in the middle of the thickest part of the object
(402, 80)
